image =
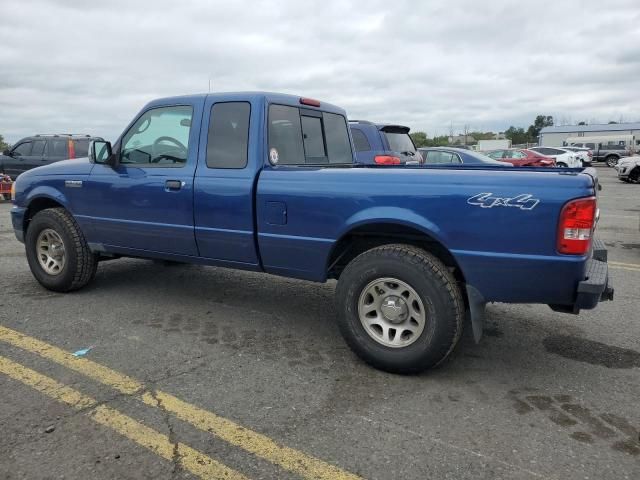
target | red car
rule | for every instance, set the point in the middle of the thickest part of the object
(522, 157)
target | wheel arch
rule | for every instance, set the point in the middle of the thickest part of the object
(367, 234)
(38, 202)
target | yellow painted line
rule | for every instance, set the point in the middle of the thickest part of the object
(625, 268)
(190, 459)
(621, 264)
(258, 444)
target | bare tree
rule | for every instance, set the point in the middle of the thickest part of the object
(465, 129)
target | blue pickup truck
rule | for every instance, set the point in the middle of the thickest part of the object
(267, 182)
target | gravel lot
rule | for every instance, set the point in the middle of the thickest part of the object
(544, 395)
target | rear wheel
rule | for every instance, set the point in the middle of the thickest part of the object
(561, 165)
(57, 251)
(634, 175)
(611, 161)
(400, 308)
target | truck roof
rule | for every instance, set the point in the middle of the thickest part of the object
(270, 97)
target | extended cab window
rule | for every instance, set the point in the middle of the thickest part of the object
(303, 136)
(228, 138)
(159, 138)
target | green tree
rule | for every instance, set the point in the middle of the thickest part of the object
(3, 145)
(539, 123)
(516, 135)
(611, 122)
(419, 139)
(582, 123)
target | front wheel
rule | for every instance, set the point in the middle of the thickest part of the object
(561, 165)
(57, 251)
(611, 161)
(400, 308)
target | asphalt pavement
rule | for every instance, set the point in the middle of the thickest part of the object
(205, 372)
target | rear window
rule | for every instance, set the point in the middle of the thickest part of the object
(81, 147)
(360, 141)
(300, 136)
(400, 142)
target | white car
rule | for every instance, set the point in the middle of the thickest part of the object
(564, 158)
(629, 169)
(584, 154)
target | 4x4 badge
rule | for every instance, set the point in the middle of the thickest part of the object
(524, 201)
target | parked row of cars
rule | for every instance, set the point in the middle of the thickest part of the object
(375, 144)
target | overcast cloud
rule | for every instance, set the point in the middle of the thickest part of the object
(88, 67)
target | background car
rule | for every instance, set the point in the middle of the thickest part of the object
(563, 158)
(584, 154)
(383, 144)
(38, 150)
(456, 156)
(629, 169)
(607, 153)
(522, 157)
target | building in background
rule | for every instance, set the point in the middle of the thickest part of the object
(556, 135)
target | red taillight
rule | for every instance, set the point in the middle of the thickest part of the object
(577, 223)
(590, 153)
(310, 101)
(72, 149)
(386, 160)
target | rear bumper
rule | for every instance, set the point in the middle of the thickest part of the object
(17, 220)
(595, 287)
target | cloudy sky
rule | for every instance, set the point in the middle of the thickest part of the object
(88, 67)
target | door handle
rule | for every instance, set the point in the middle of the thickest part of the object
(173, 185)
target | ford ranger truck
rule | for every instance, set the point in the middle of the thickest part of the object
(267, 182)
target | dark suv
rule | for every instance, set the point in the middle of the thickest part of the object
(38, 150)
(383, 144)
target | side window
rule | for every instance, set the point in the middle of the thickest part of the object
(337, 136)
(81, 148)
(495, 154)
(300, 136)
(517, 155)
(159, 138)
(58, 148)
(23, 149)
(38, 147)
(360, 141)
(228, 140)
(592, 146)
(436, 156)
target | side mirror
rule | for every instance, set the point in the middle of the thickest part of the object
(100, 152)
(7, 153)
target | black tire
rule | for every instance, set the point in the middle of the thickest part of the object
(611, 161)
(634, 175)
(80, 265)
(433, 283)
(561, 165)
